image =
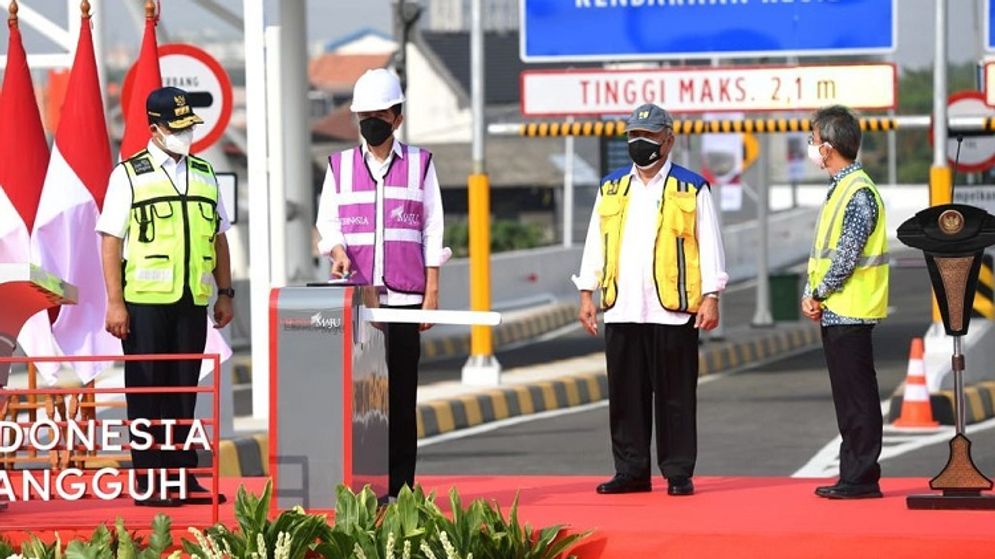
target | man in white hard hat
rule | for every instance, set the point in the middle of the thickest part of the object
(380, 220)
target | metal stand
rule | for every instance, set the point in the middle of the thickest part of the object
(961, 481)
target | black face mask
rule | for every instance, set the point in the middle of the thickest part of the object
(375, 130)
(644, 152)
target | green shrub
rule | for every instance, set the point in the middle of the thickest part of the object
(505, 235)
(413, 527)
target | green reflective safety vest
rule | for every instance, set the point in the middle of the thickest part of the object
(865, 293)
(170, 235)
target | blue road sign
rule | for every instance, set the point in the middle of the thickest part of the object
(577, 30)
(989, 28)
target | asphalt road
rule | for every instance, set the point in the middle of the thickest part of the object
(768, 421)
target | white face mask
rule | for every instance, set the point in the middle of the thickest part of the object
(178, 142)
(815, 156)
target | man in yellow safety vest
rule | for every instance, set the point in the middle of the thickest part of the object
(164, 251)
(654, 251)
(847, 292)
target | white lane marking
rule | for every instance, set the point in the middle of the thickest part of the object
(495, 425)
(896, 442)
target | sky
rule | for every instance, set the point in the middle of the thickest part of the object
(330, 19)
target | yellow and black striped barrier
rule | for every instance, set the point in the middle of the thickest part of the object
(552, 129)
(979, 404)
(983, 299)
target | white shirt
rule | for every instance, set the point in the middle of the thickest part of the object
(115, 217)
(637, 300)
(330, 228)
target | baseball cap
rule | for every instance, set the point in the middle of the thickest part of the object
(649, 117)
(168, 105)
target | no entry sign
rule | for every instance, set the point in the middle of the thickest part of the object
(197, 72)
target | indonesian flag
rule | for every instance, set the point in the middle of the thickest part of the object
(136, 136)
(65, 241)
(23, 160)
(147, 79)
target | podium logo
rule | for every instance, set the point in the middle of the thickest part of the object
(951, 222)
(316, 323)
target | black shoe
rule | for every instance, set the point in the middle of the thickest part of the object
(622, 484)
(825, 490)
(680, 486)
(157, 502)
(848, 491)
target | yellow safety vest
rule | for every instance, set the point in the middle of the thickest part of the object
(677, 272)
(170, 235)
(865, 293)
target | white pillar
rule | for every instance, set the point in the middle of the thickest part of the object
(568, 191)
(276, 164)
(259, 249)
(296, 139)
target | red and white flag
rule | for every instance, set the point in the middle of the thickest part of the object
(23, 160)
(64, 240)
(147, 78)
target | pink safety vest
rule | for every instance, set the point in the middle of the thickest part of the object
(403, 215)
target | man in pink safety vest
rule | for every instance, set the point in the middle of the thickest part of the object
(380, 221)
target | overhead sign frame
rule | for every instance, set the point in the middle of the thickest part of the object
(668, 88)
(619, 55)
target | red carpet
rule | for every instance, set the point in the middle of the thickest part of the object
(739, 517)
(728, 517)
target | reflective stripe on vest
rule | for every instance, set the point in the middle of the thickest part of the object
(402, 214)
(170, 235)
(676, 266)
(865, 293)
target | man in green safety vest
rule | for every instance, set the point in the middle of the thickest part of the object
(163, 252)
(847, 292)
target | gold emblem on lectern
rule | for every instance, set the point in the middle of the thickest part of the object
(951, 222)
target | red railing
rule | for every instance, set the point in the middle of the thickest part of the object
(214, 421)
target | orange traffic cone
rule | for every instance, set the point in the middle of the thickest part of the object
(916, 409)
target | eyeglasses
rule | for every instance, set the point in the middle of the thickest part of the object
(811, 140)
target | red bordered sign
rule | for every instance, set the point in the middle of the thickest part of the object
(197, 72)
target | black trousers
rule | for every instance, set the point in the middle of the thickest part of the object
(403, 343)
(850, 359)
(177, 328)
(653, 367)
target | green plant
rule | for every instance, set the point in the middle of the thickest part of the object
(6, 549)
(510, 539)
(505, 235)
(37, 549)
(291, 535)
(415, 527)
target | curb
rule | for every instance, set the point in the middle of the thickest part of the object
(557, 316)
(244, 456)
(979, 404)
(448, 415)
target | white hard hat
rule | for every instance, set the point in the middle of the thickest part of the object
(376, 90)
